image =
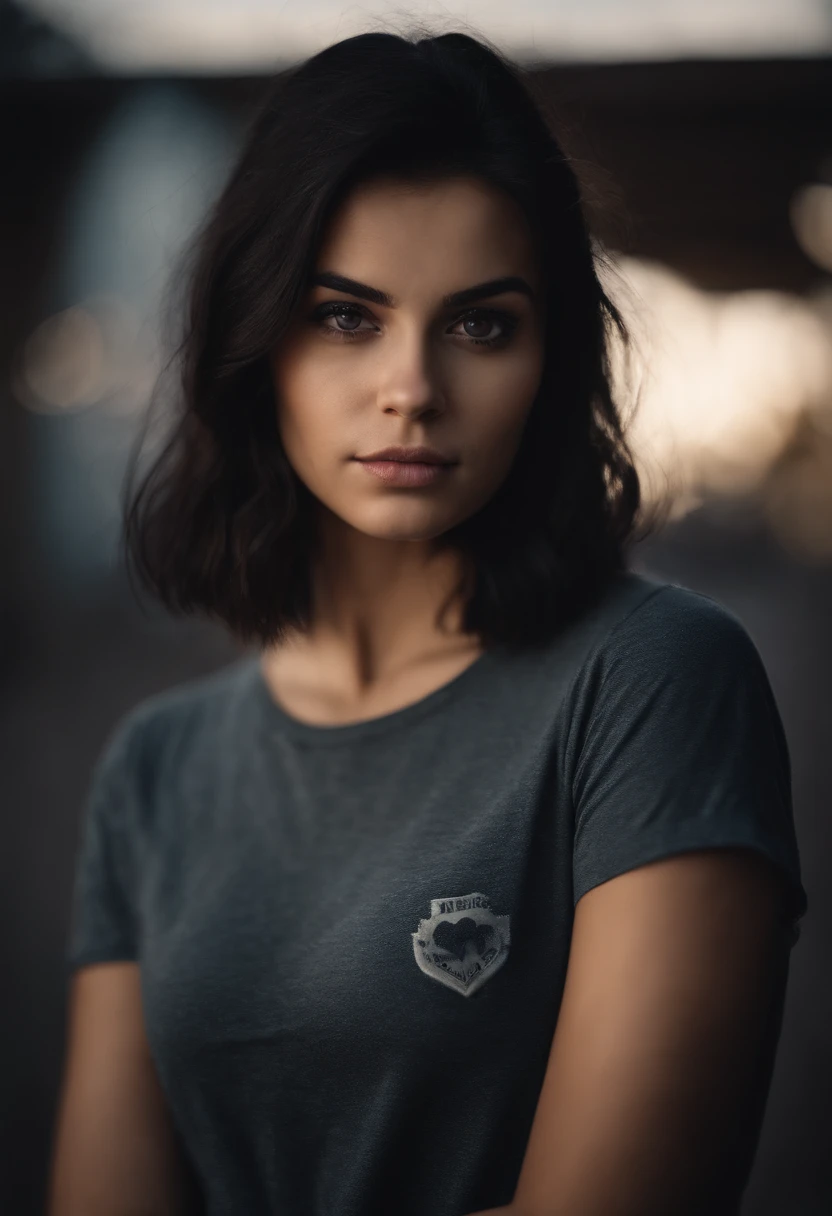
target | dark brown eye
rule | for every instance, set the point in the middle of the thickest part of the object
(348, 318)
(482, 324)
(484, 321)
(343, 312)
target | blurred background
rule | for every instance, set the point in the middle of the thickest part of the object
(702, 135)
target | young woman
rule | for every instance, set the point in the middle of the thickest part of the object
(474, 887)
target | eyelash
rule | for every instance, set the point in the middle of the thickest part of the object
(333, 307)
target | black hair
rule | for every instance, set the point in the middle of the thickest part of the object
(220, 524)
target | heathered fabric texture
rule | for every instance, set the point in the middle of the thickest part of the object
(290, 892)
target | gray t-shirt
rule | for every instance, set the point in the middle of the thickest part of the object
(353, 939)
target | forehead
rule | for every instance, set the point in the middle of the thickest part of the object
(443, 235)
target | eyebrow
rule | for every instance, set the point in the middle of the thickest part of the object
(494, 287)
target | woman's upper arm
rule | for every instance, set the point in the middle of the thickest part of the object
(674, 971)
(115, 1152)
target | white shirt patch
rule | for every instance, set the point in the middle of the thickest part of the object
(462, 944)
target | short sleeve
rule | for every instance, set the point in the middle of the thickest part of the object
(103, 923)
(680, 746)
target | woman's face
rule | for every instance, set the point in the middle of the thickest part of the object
(354, 375)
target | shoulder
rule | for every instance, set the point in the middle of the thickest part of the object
(158, 728)
(674, 631)
(675, 666)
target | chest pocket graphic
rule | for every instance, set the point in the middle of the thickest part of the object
(462, 944)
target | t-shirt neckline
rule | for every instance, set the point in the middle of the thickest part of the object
(346, 732)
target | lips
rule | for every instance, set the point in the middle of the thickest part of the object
(413, 455)
(409, 474)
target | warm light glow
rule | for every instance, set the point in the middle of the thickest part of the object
(92, 353)
(252, 35)
(735, 398)
(811, 213)
(62, 363)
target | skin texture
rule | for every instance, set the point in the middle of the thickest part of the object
(672, 970)
(673, 966)
(115, 1151)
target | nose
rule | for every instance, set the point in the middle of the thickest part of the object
(409, 385)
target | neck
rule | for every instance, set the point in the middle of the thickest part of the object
(377, 604)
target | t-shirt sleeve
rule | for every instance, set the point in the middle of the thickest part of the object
(103, 919)
(680, 746)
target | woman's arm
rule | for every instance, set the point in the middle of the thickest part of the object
(673, 972)
(115, 1151)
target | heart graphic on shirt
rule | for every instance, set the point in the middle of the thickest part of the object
(462, 944)
(455, 937)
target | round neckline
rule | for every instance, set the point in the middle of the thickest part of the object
(382, 724)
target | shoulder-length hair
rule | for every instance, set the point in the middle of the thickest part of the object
(220, 524)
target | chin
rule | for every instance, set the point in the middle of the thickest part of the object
(404, 522)
(402, 533)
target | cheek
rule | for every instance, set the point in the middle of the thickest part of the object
(308, 404)
(498, 405)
